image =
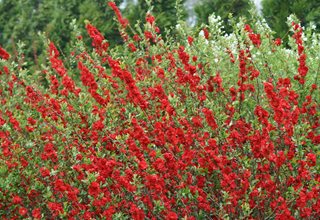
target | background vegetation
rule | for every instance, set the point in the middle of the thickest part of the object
(25, 19)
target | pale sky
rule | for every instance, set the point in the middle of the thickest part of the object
(258, 4)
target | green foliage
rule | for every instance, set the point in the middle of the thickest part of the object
(21, 19)
(15, 22)
(164, 12)
(276, 13)
(222, 8)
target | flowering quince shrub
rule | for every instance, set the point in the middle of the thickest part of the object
(207, 126)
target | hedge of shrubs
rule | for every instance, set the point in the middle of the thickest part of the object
(197, 126)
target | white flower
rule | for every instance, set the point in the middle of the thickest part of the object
(201, 33)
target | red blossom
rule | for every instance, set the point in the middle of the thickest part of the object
(123, 21)
(210, 118)
(247, 28)
(16, 200)
(190, 40)
(148, 35)
(4, 54)
(55, 208)
(36, 213)
(278, 41)
(206, 33)
(98, 40)
(94, 189)
(23, 211)
(132, 47)
(150, 19)
(255, 38)
(44, 172)
(172, 216)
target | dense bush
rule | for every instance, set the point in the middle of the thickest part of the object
(206, 126)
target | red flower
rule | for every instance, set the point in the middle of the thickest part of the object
(255, 38)
(94, 189)
(44, 172)
(190, 40)
(98, 40)
(55, 208)
(24, 162)
(4, 54)
(109, 212)
(16, 200)
(143, 165)
(56, 63)
(136, 37)
(206, 33)
(6, 70)
(36, 213)
(157, 29)
(150, 19)
(124, 22)
(23, 211)
(31, 121)
(277, 41)
(210, 118)
(136, 213)
(53, 51)
(98, 126)
(197, 121)
(87, 77)
(148, 35)
(172, 216)
(311, 159)
(247, 28)
(132, 47)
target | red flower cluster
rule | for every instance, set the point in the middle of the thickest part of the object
(123, 21)
(4, 54)
(88, 80)
(255, 38)
(302, 69)
(58, 66)
(133, 91)
(98, 40)
(150, 19)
